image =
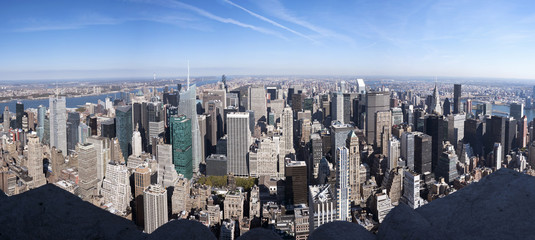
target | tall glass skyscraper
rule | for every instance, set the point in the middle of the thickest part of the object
(123, 129)
(58, 123)
(188, 107)
(73, 121)
(41, 114)
(181, 140)
(19, 114)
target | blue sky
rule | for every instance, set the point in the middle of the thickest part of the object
(96, 39)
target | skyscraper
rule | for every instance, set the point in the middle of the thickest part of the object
(434, 127)
(339, 134)
(457, 98)
(87, 169)
(188, 107)
(287, 131)
(182, 145)
(407, 149)
(516, 110)
(497, 156)
(393, 153)
(343, 192)
(257, 102)
(73, 122)
(35, 161)
(411, 189)
(337, 107)
(383, 130)
(447, 164)
(7, 119)
(116, 187)
(58, 123)
(239, 139)
(154, 207)
(422, 153)
(354, 167)
(296, 182)
(141, 182)
(123, 126)
(375, 102)
(136, 143)
(41, 114)
(19, 114)
(435, 106)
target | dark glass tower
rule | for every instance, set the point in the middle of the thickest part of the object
(19, 114)
(422, 153)
(73, 121)
(123, 131)
(436, 127)
(456, 98)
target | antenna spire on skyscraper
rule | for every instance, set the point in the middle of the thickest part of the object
(188, 78)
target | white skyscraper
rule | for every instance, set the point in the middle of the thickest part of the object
(498, 156)
(116, 187)
(411, 189)
(154, 207)
(361, 87)
(407, 149)
(287, 131)
(136, 143)
(58, 123)
(338, 107)
(343, 193)
(393, 154)
(239, 140)
(87, 169)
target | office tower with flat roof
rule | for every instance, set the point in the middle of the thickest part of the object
(457, 98)
(41, 115)
(296, 182)
(103, 152)
(411, 189)
(287, 131)
(456, 128)
(182, 145)
(7, 118)
(116, 187)
(257, 102)
(497, 159)
(18, 115)
(447, 164)
(434, 127)
(239, 139)
(154, 207)
(523, 132)
(393, 154)
(407, 149)
(167, 174)
(361, 86)
(422, 153)
(35, 161)
(73, 122)
(58, 123)
(87, 170)
(142, 176)
(123, 126)
(496, 134)
(337, 107)
(516, 110)
(375, 102)
(343, 190)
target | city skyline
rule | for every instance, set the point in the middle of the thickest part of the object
(102, 39)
